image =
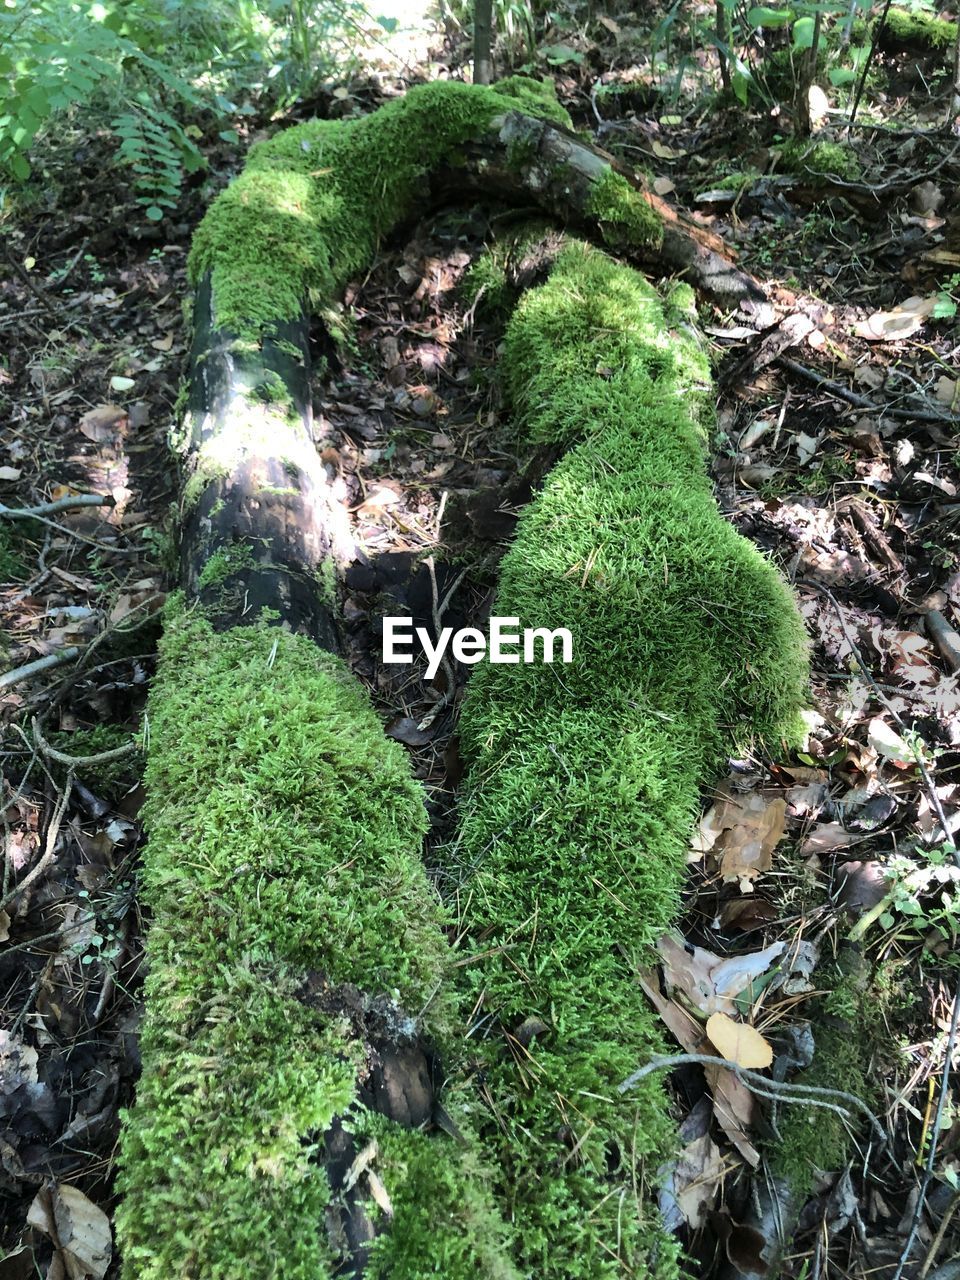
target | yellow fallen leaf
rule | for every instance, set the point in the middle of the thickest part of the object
(738, 1041)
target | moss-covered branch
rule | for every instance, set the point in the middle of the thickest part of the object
(586, 777)
(296, 949)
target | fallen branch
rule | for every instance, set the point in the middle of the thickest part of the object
(29, 669)
(69, 503)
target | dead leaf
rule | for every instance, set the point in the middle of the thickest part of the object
(739, 1042)
(610, 25)
(947, 392)
(827, 837)
(103, 423)
(164, 343)
(888, 743)
(696, 1178)
(663, 186)
(711, 983)
(733, 1105)
(10, 473)
(901, 322)
(741, 832)
(666, 153)
(403, 729)
(79, 1230)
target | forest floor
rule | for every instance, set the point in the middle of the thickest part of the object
(838, 456)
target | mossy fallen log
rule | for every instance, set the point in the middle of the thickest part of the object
(296, 1004)
(296, 960)
(586, 777)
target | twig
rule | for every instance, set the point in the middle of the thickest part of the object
(49, 853)
(27, 283)
(813, 1095)
(75, 762)
(10, 678)
(69, 503)
(932, 1153)
(937, 1240)
(874, 41)
(439, 608)
(862, 402)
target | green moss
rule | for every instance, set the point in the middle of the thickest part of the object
(737, 181)
(922, 29)
(624, 216)
(110, 779)
(12, 567)
(586, 777)
(313, 202)
(812, 1138)
(271, 389)
(284, 833)
(224, 563)
(489, 285)
(823, 159)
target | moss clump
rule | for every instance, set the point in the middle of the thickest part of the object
(224, 563)
(312, 203)
(112, 778)
(812, 1138)
(11, 562)
(921, 29)
(585, 777)
(271, 389)
(624, 216)
(822, 159)
(284, 836)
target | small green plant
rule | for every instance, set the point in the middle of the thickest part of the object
(948, 299)
(922, 899)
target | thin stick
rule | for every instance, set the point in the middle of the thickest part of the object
(937, 1123)
(782, 1090)
(75, 762)
(69, 503)
(858, 401)
(10, 678)
(49, 854)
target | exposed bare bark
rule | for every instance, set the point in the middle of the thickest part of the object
(531, 160)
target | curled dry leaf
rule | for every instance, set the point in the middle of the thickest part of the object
(741, 832)
(695, 1179)
(739, 1042)
(711, 983)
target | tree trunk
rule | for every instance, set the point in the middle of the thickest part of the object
(482, 41)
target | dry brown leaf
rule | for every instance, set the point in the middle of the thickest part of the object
(739, 1042)
(948, 391)
(741, 832)
(79, 1230)
(733, 1106)
(103, 422)
(663, 186)
(711, 983)
(827, 837)
(901, 322)
(696, 1178)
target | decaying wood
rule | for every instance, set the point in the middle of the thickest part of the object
(262, 487)
(529, 160)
